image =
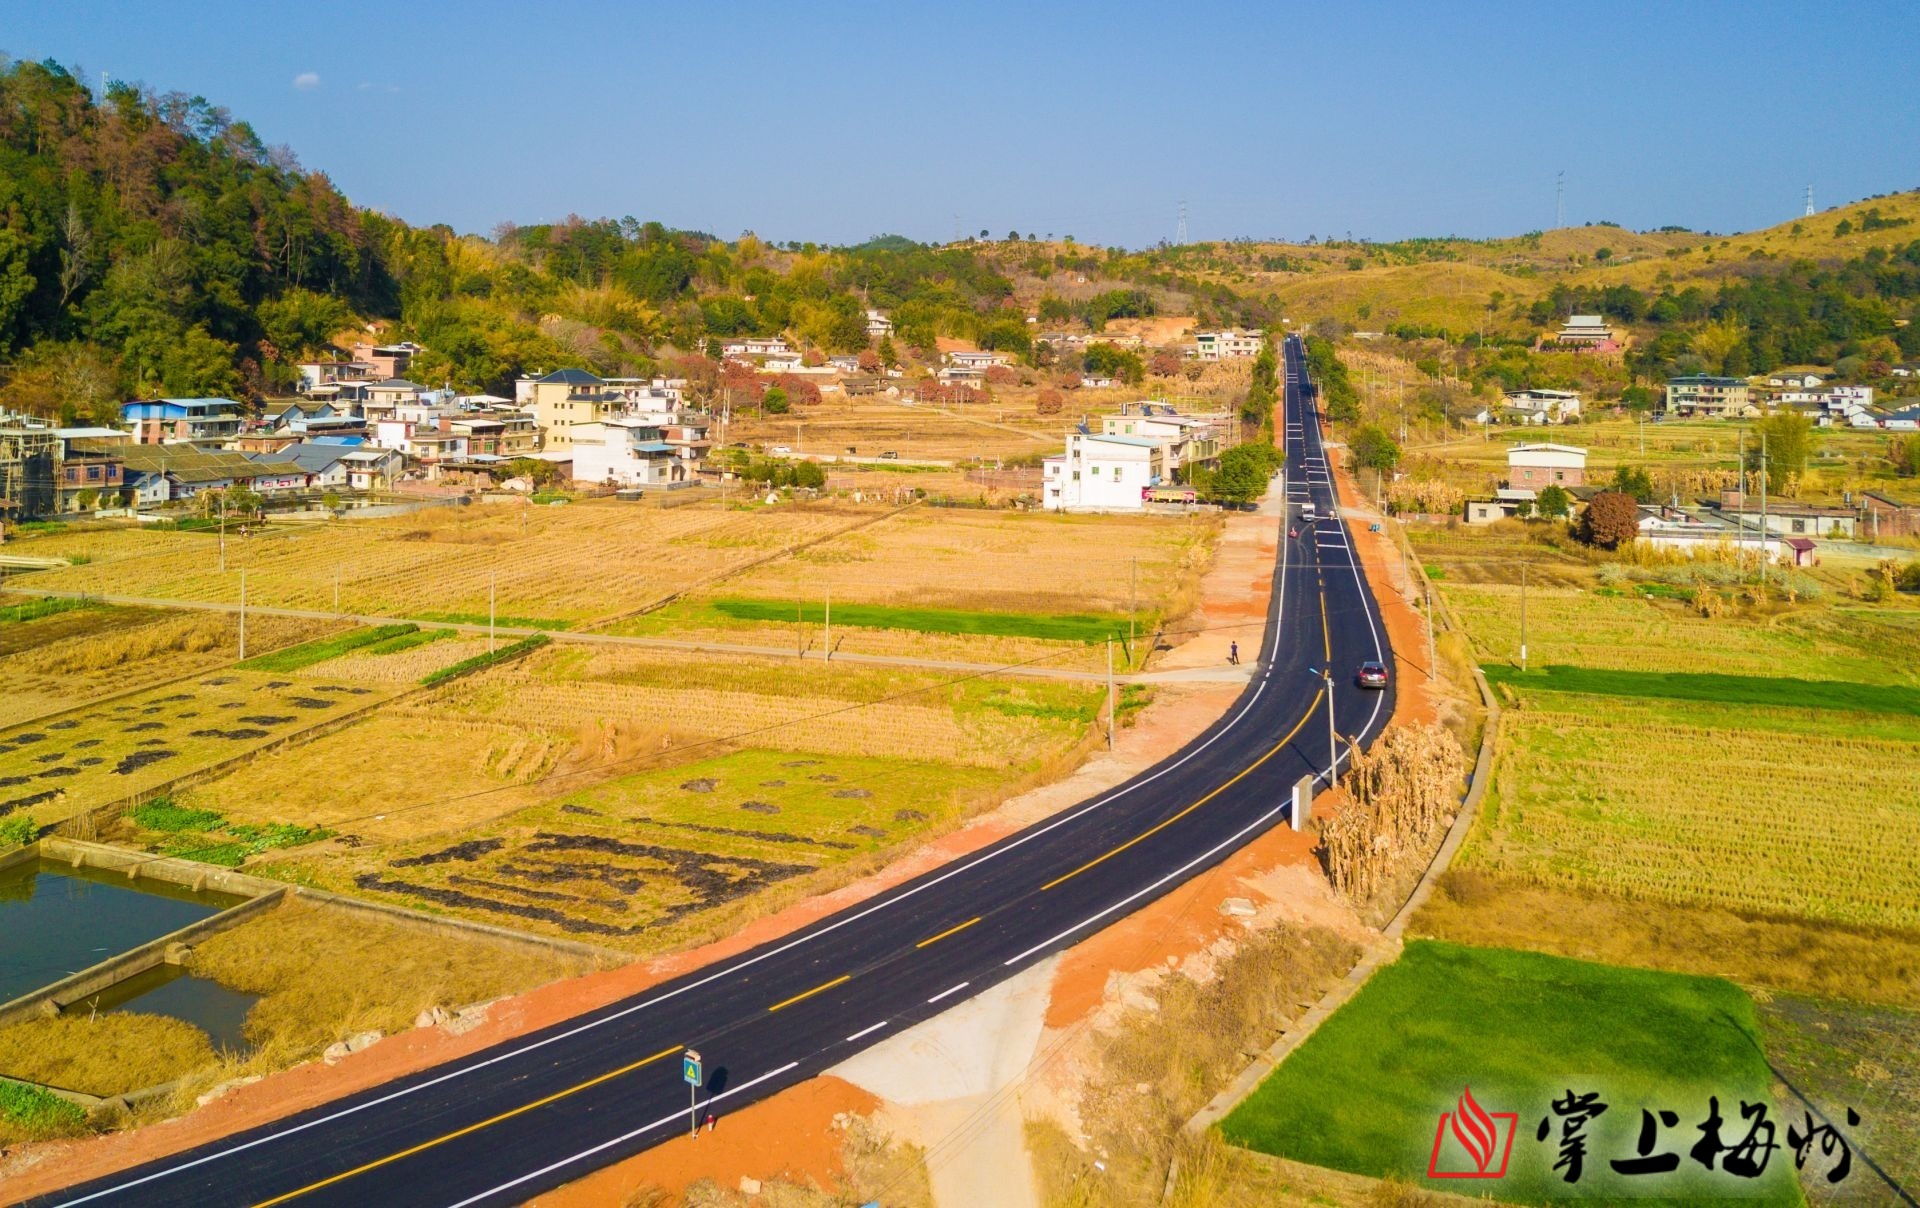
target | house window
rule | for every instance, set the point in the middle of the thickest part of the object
(1799, 526)
(1559, 476)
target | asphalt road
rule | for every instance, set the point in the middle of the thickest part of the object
(549, 1107)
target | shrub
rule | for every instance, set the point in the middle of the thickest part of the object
(1612, 517)
(18, 831)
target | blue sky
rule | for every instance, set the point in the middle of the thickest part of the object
(834, 122)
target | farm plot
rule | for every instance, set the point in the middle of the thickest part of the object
(58, 769)
(56, 661)
(568, 717)
(1772, 809)
(631, 859)
(545, 567)
(1584, 628)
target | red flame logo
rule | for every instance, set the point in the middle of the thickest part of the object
(1475, 1130)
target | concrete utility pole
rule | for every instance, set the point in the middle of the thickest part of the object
(829, 618)
(1523, 616)
(1133, 601)
(223, 532)
(1763, 512)
(1110, 701)
(1333, 736)
(243, 613)
(336, 591)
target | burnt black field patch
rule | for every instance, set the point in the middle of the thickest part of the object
(741, 832)
(21, 740)
(825, 778)
(276, 684)
(759, 807)
(86, 744)
(50, 757)
(265, 719)
(178, 696)
(852, 794)
(773, 784)
(871, 832)
(69, 724)
(143, 727)
(466, 852)
(801, 763)
(571, 808)
(7, 782)
(59, 773)
(309, 702)
(454, 897)
(20, 803)
(702, 785)
(140, 759)
(909, 816)
(216, 681)
(240, 735)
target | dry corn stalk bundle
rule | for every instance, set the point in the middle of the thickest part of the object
(1398, 795)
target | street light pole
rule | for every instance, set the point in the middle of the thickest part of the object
(1333, 737)
(1523, 616)
(243, 612)
(1109, 694)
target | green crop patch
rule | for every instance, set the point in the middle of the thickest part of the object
(481, 618)
(1366, 1092)
(38, 1113)
(296, 658)
(1055, 628)
(480, 662)
(45, 606)
(1839, 695)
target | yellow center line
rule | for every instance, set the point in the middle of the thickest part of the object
(1247, 771)
(1326, 635)
(819, 989)
(471, 1128)
(934, 939)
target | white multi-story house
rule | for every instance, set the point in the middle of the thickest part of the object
(1227, 345)
(756, 346)
(982, 361)
(624, 452)
(878, 325)
(1102, 473)
(1187, 439)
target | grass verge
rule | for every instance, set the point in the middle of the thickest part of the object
(1365, 1093)
(307, 654)
(28, 1113)
(1062, 628)
(106, 1054)
(1840, 695)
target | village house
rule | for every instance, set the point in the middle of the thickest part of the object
(1786, 517)
(1102, 473)
(324, 377)
(878, 325)
(1540, 406)
(175, 420)
(1188, 440)
(371, 469)
(1700, 395)
(1535, 467)
(756, 346)
(1794, 379)
(386, 360)
(982, 361)
(1881, 515)
(623, 452)
(1227, 345)
(1586, 332)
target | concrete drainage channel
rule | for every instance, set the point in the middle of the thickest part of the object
(216, 886)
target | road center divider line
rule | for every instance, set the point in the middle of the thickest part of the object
(819, 989)
(1238, 776)
(471, 1128)
(934, 939)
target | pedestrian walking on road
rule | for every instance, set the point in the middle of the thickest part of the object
(1233, 653)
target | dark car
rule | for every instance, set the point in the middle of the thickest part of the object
(1372, 674)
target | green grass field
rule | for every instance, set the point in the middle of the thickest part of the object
(296, 658)
(1365, 1093)
(1779, 692)
(1067, 628)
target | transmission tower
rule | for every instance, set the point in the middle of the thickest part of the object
(1560, 200)
(1809, 201)
(1180, 231)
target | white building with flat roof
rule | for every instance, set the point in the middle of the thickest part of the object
(624, 452)
(1227, 345)
(1102, 473)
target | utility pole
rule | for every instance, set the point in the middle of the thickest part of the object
(223, 532)
(1523, 616)
(1433, 668)
(1133, 600)
(829, 616)
(1110, 709)
(1333, 736)
(243, 612)
(1763, 512)
(491, 577)
(336, 591)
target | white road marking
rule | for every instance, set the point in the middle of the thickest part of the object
(954, 990)
(867, 1031)
(619, 1140)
